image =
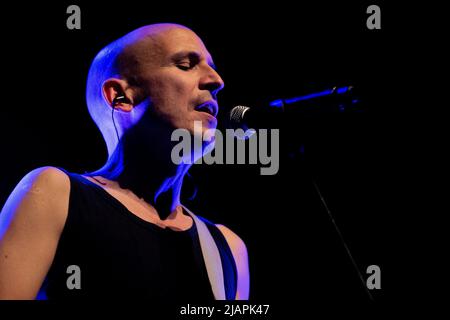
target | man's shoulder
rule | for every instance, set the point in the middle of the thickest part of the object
(49, 171)
(46, 178)
(43, 187)
(38, 203)
(235, 242)
(240, 255)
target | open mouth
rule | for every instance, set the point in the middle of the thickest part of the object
(208, 107)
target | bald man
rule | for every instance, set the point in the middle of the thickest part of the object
(121, 231)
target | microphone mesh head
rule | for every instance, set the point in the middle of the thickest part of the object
(237, 114)
(237, 122)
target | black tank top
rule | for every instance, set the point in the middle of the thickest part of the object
(122, 256)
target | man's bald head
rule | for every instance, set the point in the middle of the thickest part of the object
(143, 47)
(124, 59)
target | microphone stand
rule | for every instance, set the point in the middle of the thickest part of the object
(302, 153)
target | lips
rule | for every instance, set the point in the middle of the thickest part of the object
(209, 107)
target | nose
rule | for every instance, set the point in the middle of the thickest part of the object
(212, 82)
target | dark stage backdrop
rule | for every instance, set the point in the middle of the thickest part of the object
(262, 52)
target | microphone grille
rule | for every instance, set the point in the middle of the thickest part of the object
(237, 122)
(237, 114)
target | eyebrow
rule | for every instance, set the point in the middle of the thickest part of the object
(191, 55)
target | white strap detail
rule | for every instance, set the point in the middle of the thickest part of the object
(211, 256)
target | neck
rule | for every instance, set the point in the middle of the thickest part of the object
(148, 172)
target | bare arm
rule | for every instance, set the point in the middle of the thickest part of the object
(240, 255)
(30, 226)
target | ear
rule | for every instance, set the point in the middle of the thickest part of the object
(114, 87)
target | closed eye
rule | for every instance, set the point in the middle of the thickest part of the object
(186, 60)
(184, 67)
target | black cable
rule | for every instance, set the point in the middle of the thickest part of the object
(114, 123)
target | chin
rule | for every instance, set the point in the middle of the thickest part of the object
(202, 129)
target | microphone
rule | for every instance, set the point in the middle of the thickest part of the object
(303, 108)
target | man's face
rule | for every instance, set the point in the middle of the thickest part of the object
(180, 80)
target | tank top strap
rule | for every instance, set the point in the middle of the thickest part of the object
(220, 264)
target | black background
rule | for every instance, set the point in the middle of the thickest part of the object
(263, 52)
